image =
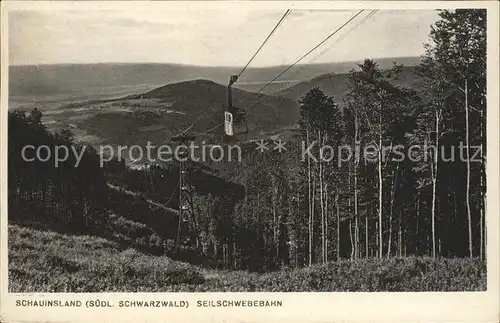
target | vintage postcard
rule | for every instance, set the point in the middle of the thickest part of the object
(249, 161)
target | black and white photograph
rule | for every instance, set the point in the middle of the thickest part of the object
(247, 150)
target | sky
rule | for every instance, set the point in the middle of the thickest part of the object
(211, 37)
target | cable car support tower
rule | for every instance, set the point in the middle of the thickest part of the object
(187, 226)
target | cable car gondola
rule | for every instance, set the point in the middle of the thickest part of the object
(235, 121)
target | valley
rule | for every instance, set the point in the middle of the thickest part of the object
(102, 104)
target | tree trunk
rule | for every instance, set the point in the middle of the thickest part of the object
(258, 219)
(275, 184)
(435, 167)
(366, 236)
(351, 239)
(338, 224)
(467, 187)
(309, 201)
(400, 236)
(326, 222)
(417, 215)
(312, 215)
(483, 183)
(355, 171)
(321, 201)
(433, 214)
(274, 231)
(481, 235)
(356, 238)
(393, 192)
(380, 201)
(482, 243)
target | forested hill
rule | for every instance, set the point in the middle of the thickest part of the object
(155, 115)
(135, 208)
(205, 100)
(336, 84)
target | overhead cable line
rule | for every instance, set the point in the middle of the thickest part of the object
(302, 57)
(305, 55)
(196, 120)
(211, 129)
(244, 68)
(265, 41)
(371, 14)
(338, 40)
(173, 193)
(342, 37)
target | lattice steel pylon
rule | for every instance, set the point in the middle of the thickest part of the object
(187, 231)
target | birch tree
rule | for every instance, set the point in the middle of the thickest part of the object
(455, 61)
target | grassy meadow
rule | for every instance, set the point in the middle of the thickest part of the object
(46, 261)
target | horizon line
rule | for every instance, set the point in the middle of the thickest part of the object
(208, 66)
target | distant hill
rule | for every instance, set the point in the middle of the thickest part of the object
(209, 99)
(336, 84)
(133, 113)
(73, 82)
(155, 115)
(203, 101)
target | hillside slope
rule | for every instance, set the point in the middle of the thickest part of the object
(44, 261)
(336, 84)
(208, 99)
(156, 115)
